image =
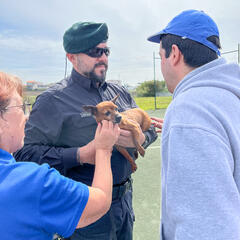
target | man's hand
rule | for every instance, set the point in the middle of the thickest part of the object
(126, 139)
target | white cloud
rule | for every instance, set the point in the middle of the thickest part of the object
(31, 32)
(12, 40)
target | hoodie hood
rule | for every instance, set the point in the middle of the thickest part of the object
(217, 73)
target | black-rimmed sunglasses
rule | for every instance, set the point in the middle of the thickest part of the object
(97, 52)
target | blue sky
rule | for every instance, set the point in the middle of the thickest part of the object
(31, 33)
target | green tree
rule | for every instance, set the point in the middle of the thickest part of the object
(146, 89)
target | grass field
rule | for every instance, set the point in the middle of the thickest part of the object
(146, 191)
(146, 103)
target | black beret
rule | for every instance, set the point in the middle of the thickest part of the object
(83, 36)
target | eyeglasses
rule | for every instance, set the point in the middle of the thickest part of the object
(97, 52)
(25, 107)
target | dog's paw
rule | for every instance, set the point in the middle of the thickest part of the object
(134, 167)
(141, 151)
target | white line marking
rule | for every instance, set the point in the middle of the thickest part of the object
(153, 147)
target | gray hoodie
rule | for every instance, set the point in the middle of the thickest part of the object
(201, 156)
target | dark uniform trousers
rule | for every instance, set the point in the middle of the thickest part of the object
(117, 223)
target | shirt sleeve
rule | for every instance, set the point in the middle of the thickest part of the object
(150, 136)
(41, 133)
(61, 203)
(200, 198)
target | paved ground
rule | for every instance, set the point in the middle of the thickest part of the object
(146, 193)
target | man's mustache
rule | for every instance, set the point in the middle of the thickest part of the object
(100, 64)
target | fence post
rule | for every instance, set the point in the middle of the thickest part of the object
(154, 78)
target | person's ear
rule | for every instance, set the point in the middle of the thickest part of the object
(176, 55)
(71, 57)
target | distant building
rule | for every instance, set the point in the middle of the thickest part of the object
(34, 85)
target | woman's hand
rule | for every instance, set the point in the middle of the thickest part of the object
(106, 135)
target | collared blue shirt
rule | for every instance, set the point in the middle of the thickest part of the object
(36, 201)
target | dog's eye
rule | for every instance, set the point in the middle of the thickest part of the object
(107, 113)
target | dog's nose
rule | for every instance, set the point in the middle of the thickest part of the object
(118, 118)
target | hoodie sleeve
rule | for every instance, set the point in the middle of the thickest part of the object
(201, 198)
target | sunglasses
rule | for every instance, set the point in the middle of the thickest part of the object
(97, 52)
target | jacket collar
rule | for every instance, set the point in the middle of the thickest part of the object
(84, 81)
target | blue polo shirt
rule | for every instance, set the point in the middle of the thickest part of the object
(36, 201)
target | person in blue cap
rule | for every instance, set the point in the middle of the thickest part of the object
(61, 134)
(36, 201)
(201, 133)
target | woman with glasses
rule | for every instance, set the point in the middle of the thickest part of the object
(36, 201)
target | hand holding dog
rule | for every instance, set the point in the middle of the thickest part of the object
(158, 123)
(106, 135)
(125, 139)
(132, 123)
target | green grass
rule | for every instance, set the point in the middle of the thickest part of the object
(146, 103)
(29, 99)
(146, 190)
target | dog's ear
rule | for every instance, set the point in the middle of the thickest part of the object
(90, 109)
(115, 99)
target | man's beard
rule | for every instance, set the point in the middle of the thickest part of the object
(97, 78)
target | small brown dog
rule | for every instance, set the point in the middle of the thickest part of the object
(129, 120)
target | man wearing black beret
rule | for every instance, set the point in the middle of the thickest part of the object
(61, 134)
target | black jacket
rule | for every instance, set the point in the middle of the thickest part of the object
(58, 125)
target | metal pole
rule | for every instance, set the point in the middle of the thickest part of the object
(239, 53)
(154, 75)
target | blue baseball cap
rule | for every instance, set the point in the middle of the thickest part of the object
(192, 24)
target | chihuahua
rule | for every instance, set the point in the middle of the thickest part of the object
(131, 120)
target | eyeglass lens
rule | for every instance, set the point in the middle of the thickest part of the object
(98, 52)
